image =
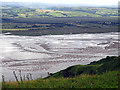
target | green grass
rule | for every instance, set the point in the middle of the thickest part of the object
(106, 80)
(22, 29)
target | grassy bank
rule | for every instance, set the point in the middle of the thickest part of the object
(106, 80)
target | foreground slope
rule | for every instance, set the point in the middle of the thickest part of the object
(106, 80)
(100, 74)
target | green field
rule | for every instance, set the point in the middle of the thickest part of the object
(24, 12)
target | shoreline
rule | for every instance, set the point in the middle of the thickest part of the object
(10, 33)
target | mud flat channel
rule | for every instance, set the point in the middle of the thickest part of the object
(39, 55)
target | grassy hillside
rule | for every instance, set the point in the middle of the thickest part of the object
(106, 80)
(96, 67)
(26, 12)
(100, 74)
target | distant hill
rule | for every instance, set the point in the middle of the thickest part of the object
(32, 10)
